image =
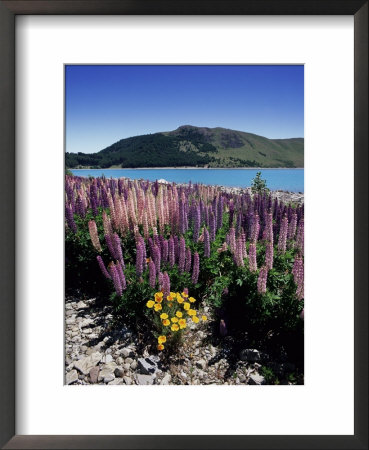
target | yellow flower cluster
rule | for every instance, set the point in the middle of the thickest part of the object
(171, 315)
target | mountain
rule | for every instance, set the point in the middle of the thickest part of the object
(195, 147)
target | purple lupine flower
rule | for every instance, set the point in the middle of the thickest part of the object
(262, 280)
(206, 243)
(160, 280)
(139, 262)
(269, 227)
(231, 213)
(239, 252)
(182, 254)
(70, 219)
(93, 199)
(102, 267)
(176, 247)
(80, 207)
(196, 223)
(188, 260)
(111, 247)
(269, 255)
(252, 257)
(255, 228)
(212, 227)
(220, 213)
(118, 248)
(292, 226)
(298, 275)
(152, 274)
(172, 257)
(116, 279)
(282, 241)
(196, 268)
(144, 253)
(165, 250)
(166, 285)
(121, 276)
(157, 258)
(232, 240)
(300, 236)
(238, 223)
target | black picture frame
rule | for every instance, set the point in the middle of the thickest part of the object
(8, 12)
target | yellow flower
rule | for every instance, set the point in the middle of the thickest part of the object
(174, 327)
(157, 307)
(204, 318)
(195, 319)
(192, 300)
(179, 314)
(174, 319)
(166, 322)
(186, 306)
(184, 294)
(159, 297)
(163, 316)
(150, 304)
(173, 295)
(179, 299)
(170, 305)
(191, 312)
(182, 323)
(160, 347)
(162, 339)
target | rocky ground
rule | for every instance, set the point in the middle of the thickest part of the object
(96, 352)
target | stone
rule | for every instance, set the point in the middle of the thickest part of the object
(71, 320)
(201, 364)
(126, 352)
(119, 372)
(87, 331)
(71, 377)
(94, 374)
(85, 365)
(256, 379)
(116, 381)
(81, 305)
(128, 361)
(250, 354)
(126, 366)
(134, 365)
(146, 366)
(127, 380)
(86, 322)
(107, 372)
(144, 379)
(107, 359)
(119, 361)
(166, 379)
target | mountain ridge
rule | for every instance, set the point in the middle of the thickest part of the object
(193, 146)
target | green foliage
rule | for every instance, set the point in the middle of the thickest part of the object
(258, 185)
(194, 146)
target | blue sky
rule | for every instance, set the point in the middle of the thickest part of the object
(107, 103)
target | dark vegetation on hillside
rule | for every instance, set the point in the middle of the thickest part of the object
(196, 147)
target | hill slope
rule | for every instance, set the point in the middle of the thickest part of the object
(196, 147)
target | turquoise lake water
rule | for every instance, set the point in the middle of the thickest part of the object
(282, 179)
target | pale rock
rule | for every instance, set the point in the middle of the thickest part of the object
(86, 322)
(126, 366)
(107, 372)
(256, 379)
(134, 365)
(94, 374)
(250, 354)
(119, 372)
(119, 361)
(127, 380)
(128, 361)
(201, 364)
(166, 379)
(81, 305)
(126, 352)
(146, 366)
(71, 377)
(85, 365)
(144, 379)
(107, 359)
(116, 381)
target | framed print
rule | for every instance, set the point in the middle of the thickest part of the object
(147, 242)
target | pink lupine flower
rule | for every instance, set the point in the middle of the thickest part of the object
(298, 274)
(282, 241)
(262, 280)
(172, 256)
(252, 257)
(94, 235)
(182, 254)
(206, 243)
(166, 285)
(269, 255)
(116, 279)
(292, 227)
(300, 236)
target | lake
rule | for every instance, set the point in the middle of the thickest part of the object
(277, 179)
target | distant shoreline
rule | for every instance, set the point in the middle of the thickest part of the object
(193, 168)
